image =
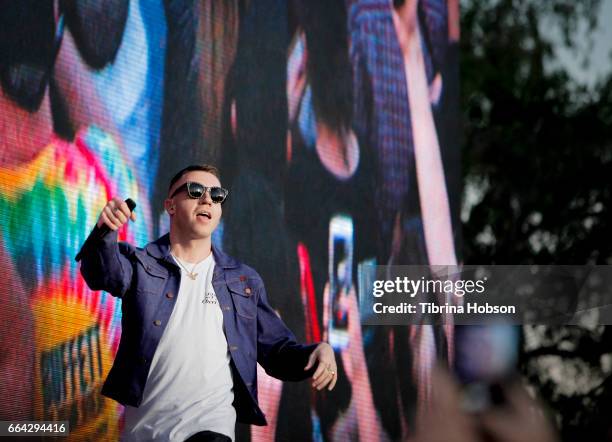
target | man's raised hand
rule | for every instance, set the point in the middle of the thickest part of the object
(115, 214)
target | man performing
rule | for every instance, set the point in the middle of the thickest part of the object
(195, 322)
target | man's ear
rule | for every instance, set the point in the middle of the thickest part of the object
(169, 206)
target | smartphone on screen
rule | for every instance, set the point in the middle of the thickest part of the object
(340, 277)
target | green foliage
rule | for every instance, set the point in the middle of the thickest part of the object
(538, 146)
(537, 167)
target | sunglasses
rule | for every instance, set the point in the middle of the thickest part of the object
(25, 82)
(197, 191)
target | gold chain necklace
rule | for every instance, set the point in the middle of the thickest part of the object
(191, 275)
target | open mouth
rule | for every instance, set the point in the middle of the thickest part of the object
(204, 215)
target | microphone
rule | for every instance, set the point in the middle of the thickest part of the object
(100, 232)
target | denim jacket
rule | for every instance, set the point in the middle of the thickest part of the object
(147, 281)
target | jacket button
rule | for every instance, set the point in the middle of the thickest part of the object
(226, 307)
(157, 322)
(247, 290)
(143, 360)
(169, 295)
(233, 347)
(248, 384)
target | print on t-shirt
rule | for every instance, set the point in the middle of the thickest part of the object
(210, 298)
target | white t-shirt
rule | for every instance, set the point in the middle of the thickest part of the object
(189, 387)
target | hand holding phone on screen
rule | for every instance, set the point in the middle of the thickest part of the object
(520, 420)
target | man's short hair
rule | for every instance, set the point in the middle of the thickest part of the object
(194, 167)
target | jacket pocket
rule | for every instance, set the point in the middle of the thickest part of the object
(243, 297)
(152, 269)
(150, 277)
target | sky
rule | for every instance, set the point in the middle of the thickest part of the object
(599, 58)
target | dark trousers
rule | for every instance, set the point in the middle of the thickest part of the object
(208, 436)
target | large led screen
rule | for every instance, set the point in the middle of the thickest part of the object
(335, 127)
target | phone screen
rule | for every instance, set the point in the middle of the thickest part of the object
(485, 356)
(340, 277)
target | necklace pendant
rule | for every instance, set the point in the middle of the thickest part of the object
(193, 276)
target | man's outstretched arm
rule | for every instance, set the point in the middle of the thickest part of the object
(284, 358)
(103, 262)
